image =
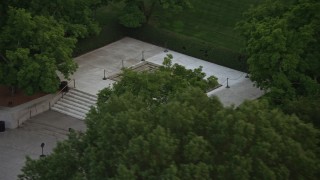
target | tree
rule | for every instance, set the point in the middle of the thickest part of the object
(3, 10)
(37, 38)
(172, 78)
(282, 44)
(32, 49)
(306, 108)
(77, 17)
(138, 12)
(167, 129)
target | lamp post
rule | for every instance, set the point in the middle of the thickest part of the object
(165, 48)
(42, 155)
(228, 83)
(142, 54)
(104, 75)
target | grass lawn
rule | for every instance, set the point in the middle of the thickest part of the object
(209, 20)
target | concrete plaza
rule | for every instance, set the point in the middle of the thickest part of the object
(51, 127)
(109, 60)
(15, 144)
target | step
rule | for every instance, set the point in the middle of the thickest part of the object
(58, 106)
(68, 113)
(80, 98)
(75, 93)
(69, 106)
(74, 111)
(67, 101)
(84, 95)
(82, 92)
(77, 101)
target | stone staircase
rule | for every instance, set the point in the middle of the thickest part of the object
(75, 103)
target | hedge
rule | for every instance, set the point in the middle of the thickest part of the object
(190, 46)
(109, 33)
(187, 45)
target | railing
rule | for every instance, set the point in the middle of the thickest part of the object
(33, 110)
(54, 98)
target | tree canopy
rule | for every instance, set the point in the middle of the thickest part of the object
(34, 48)
(282, 44)
(138, 12)
(37, 39)
(75, 16)
(169, 129)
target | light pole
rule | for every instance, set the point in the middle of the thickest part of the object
(142, 54)
(104, 75)
(165, 48)
(42, 155)
(228, 83)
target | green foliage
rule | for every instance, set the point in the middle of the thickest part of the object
(33, 49)
(132, 17)
(203, 33)
(208, 26)
(158, 85)
(111, 30)
(180, 134)
(4, 6)
(37, 39)
(306, 108)
(191, 46)
(282, 42)
(265, 143)
(76, 17)
(211, 21)
(70, 150)
(138, 12)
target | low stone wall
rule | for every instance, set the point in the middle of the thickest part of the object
(15, 116)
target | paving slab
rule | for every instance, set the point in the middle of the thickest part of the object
(109, 60)
(51, 127)
(240, 88)
(15, 144)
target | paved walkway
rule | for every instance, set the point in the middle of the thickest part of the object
(128, 52)
(111, 58)
(48, 127)
(51, 127)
